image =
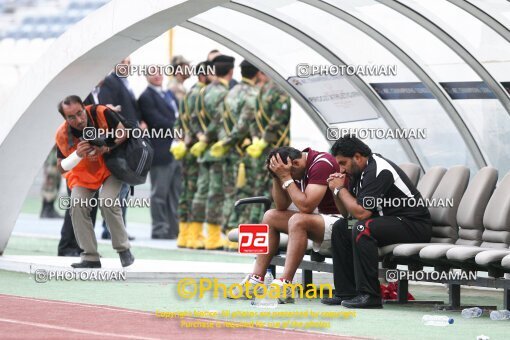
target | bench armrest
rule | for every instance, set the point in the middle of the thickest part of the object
(254, 200)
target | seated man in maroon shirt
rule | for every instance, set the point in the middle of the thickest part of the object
(305, 209)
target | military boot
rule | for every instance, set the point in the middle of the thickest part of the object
(182, 238)
(214, 239)
(195, 236)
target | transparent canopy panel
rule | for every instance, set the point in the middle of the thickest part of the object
(487, 46)
(442, 65)
(278, 49)
(491, 126)
(431, 53)
(335, 97)
(389, 148)
(356, 48)
(498, 9)
(336, 35)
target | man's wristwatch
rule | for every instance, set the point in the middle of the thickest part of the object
(337, 190)
(286, 184)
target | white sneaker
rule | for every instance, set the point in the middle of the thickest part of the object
(286, 291)
(248, 287)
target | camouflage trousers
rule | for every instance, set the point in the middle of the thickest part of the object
(190, 169)
(258, 183)
(207, 205)
(262, 185)
(52, 177)
(230, 173)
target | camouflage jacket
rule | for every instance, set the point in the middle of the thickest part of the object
(273, 115)
(210, 108)
(239, 118)
(187, 113)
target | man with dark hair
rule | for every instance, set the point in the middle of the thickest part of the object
(304, 210)
(208, 121)
(188, 237)
(68, 246)
(210, 57)
(272, 123)
(284, 152)
(116, 91)
(159, 110)
(83, 166)
(238, 125)
(367, 186)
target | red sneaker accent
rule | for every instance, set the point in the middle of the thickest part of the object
(391, 292)
(257, 277)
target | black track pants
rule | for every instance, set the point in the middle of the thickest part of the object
(355, 253)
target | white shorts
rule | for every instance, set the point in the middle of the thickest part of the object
(329, 220)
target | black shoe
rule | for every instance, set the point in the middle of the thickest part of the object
(363, 301)
(106, 235)
(48, 210)
(126, 258)
(335, 300)
(162, 237)
(316, 257)
(74, 253)
(87, 264)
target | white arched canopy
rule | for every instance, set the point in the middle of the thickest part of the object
(74, 64)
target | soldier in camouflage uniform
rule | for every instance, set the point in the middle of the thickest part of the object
(208, 199)
(187, 107)
(51, 185)
(273, 130)
(238, 118)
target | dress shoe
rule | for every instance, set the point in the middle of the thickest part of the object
(87, 264)
(317, 257)
(162, 237)
(363, 301)
(72, 253)
(48, 210)
(106, 235)
(126, 258)
(335, 300)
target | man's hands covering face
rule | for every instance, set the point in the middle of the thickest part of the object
(279, 168)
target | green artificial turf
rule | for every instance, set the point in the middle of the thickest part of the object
(19, 245)
(32, 205)
(393, 322)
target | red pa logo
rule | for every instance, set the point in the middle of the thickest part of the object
(253, 238)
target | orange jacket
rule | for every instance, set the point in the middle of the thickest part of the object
(91, 172)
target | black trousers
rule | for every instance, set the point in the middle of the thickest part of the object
(166, 187)
(355, 253)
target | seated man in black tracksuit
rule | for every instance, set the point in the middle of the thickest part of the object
(383, 200)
